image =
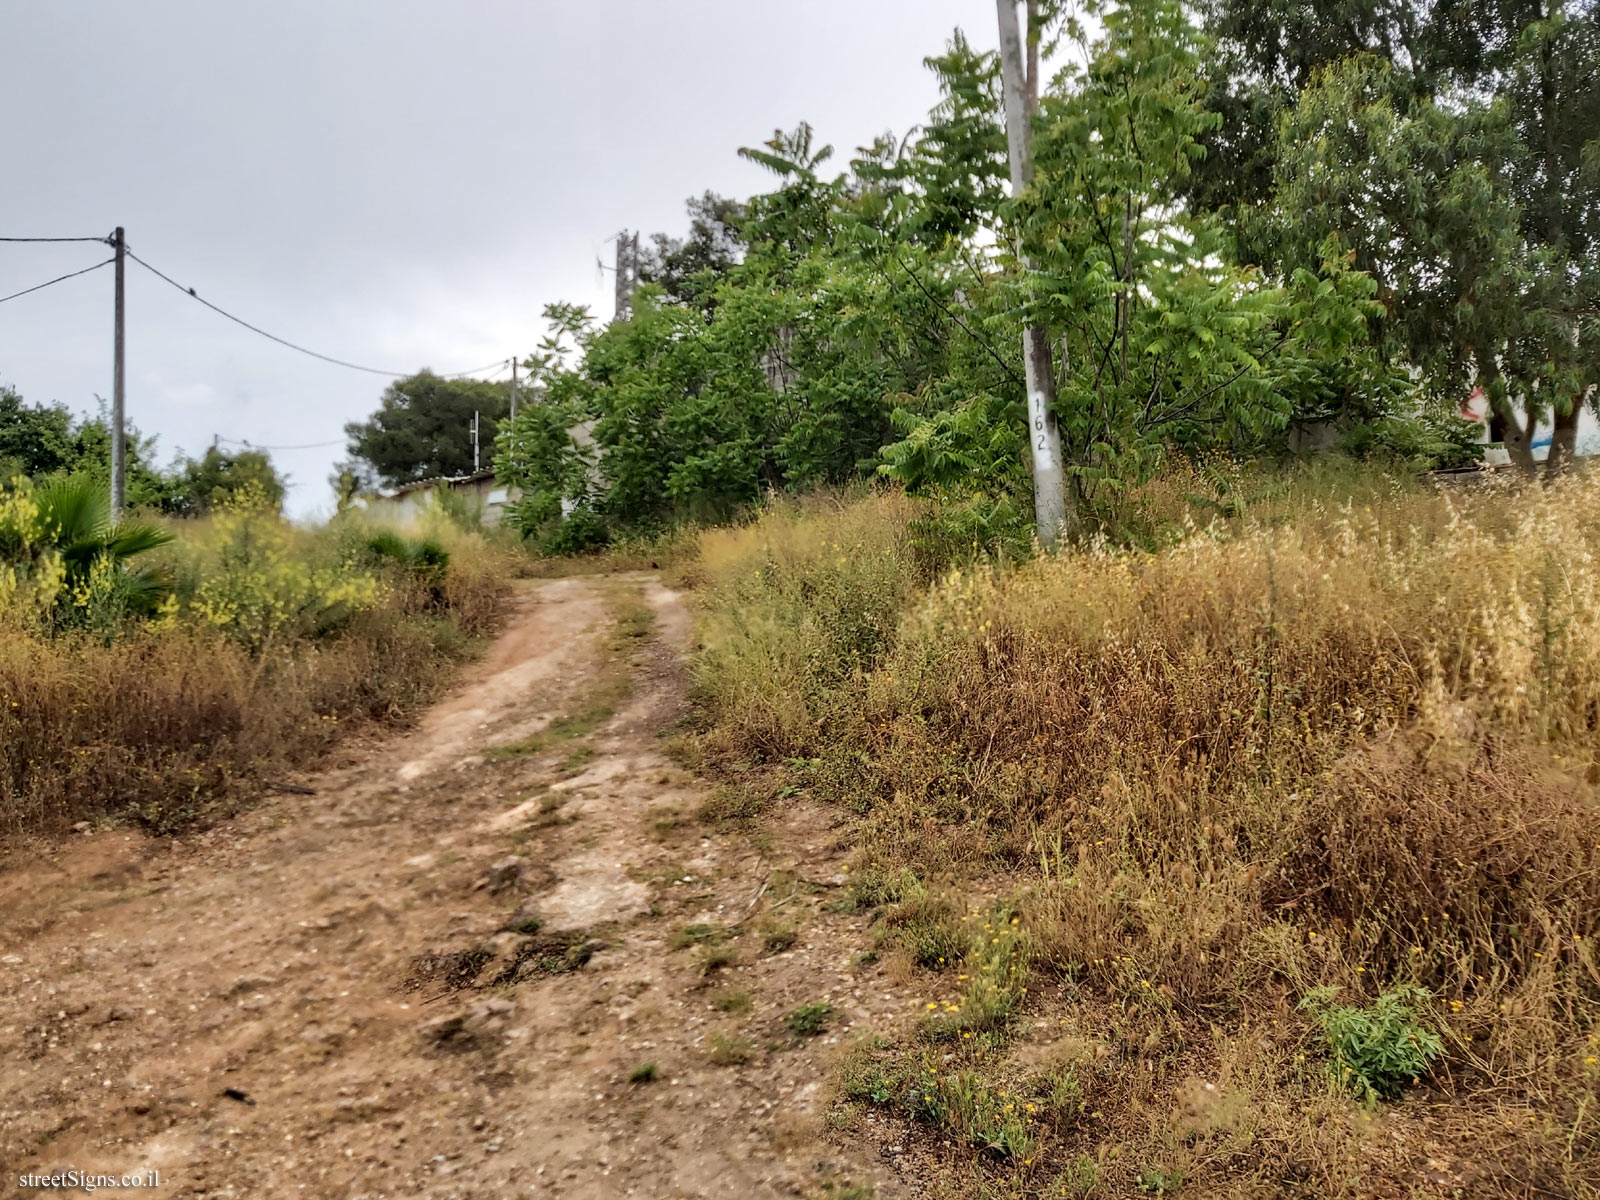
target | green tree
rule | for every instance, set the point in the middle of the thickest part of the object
(35, 440)
(1485, 280)
(45, 441)
(538, 451)
(198, 485)
(689, 269)
(1162, 342)
(423, 428)
(1452, 148)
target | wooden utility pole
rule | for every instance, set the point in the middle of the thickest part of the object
(118, 399)
(1044, 440)
(513, 386)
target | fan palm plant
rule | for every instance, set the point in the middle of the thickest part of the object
(74, 520)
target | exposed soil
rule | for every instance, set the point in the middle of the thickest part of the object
(436, 975)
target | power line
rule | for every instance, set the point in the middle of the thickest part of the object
(249, 445)
(504, 365)
(338, 362)
(57, 279)
(102, 240)
(499, 364)
(193, 295)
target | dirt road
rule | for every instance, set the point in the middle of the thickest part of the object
(446, 972)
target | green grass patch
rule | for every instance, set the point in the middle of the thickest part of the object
(808, 1020)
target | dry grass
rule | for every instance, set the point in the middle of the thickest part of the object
(175, 720)
(1351, 744)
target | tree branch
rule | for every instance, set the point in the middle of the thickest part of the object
(982, 341)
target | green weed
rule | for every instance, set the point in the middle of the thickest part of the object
(808, 1020)
(1376, 1051)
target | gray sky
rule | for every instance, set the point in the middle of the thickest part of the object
(397, 183)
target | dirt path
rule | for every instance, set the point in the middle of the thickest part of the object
(437, 975)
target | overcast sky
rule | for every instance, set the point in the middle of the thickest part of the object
(399, 183)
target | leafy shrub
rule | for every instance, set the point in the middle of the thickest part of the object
(581, 531)
(249, 574)
(961, 530)
(422, 561)
(1376, 1051)
(1430, 441)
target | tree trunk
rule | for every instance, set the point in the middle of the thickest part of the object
(1516, 432)
(1044, 434)
(1563, 443)
(1518, 440)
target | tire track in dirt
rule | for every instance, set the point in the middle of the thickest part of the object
(436, 976)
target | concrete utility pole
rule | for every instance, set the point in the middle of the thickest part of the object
(119, 449)
(1044, 440)
(513, 386)
(474, 441)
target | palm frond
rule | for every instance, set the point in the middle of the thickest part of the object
(129, 539)
(143, 590)
(75, 510)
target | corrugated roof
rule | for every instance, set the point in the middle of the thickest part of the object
(434, 481)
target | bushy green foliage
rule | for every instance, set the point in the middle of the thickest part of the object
(1429, 440)
(253, 577)
(539, 451)
(41, 442)
(1376, 1051)
(423, 560)
(199, 485)
(1454, 156)
(867, 322)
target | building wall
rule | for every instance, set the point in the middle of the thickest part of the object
(405, 508)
